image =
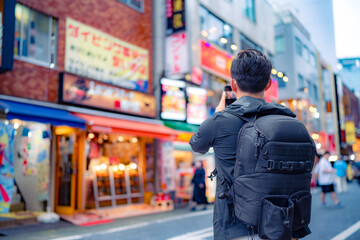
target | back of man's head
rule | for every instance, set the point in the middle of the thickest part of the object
(251, 70)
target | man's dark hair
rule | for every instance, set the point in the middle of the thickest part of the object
(251, 70)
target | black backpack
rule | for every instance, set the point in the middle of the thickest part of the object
(272, 175)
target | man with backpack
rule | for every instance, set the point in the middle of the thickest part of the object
(257, 170)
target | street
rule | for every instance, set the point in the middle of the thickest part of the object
(327, 223)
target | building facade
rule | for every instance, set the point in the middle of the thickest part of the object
(79, 129)
(296, 57)
(197, 41)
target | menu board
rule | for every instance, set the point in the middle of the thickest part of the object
(196, 107)
(173, 101)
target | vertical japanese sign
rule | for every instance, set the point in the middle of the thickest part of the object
(6, 165)
(97, 55)
(177, 54)
(175, 16)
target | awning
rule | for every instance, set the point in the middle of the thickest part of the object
(109, 125)
(181, 126)
(35, 113)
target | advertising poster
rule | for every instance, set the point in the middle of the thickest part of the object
(6, 165)
(177, 54)
(97, 55)
(173, 101)
(196, 108)
(86, 92)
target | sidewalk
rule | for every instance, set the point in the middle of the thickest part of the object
(53, 230)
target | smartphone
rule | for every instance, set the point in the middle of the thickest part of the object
(230, 95)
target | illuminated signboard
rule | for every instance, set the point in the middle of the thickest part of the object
(175, 15)
(215, 60)
(82, 91)
(97, 55)
(196, 106)
(173, 101)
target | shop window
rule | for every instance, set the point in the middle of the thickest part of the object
(279, 44)
(298, 46)
(310, 88)
(250, 10)
(316, 96)
(114, 169)
(138, 5)
(35, 36)
(216, 31)
(301, 82)
(306, 54)
(312, 59)
(246, 43)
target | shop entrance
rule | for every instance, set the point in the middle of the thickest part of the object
(65, 177)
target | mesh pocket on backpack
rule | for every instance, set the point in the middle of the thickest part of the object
(302, 209)
(276, 217)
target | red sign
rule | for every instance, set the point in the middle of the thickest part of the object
(272, 94)
(215, 60)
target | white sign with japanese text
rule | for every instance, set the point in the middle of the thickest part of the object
(177, 54)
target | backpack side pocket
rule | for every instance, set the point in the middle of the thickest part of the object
(276, 217)
(302, 209)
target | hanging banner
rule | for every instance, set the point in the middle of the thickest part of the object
(97, 55)
(86, 92)
(177, 54)
(215, 60)
(6, 165)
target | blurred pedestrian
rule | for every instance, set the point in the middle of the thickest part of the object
(315, 171)
(340, 178)
(199, 193)
(326, 179)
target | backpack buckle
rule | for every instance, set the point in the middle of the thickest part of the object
(270, 164)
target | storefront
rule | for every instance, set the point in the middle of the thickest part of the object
(121, 161)
(28, 135)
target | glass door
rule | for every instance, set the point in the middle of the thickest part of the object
(65, 174)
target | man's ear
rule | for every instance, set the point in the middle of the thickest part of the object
(234, 85)
(268, 85)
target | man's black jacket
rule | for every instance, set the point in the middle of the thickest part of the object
(220, 132)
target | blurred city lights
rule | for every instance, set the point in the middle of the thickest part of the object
(318, 145)
(133, 165)
(273, 71)
(204, 33)
(286, 79)
(103, 166)
(223, 40)
(122, 167)
(280, 74)
(234, 47)
(352, 157)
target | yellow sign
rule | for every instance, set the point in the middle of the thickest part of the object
(97, 55)
(350, 132)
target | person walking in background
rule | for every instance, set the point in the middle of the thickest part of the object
(326, 179)
(340, 178)
(199, 194)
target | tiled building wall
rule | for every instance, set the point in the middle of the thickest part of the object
(111, 16)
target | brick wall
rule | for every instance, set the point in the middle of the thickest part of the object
(110, 16)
